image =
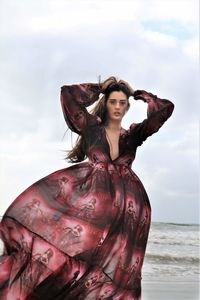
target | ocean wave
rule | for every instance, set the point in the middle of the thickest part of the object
(174, 243)
(176, 224)
(172, 259)
(184, 224)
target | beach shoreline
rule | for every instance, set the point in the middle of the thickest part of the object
(164, 289)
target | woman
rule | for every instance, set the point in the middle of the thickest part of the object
(81, 232)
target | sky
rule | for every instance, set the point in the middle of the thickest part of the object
(151, 44)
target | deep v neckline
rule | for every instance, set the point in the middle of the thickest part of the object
(108, 145)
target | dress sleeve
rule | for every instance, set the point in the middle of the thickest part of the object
(158, 111)
(74, 100)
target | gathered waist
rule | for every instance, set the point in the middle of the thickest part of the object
(121, 169)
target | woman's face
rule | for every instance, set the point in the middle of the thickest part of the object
(117, 105)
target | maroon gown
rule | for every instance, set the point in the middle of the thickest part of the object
(81, 232)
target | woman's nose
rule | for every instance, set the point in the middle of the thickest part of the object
(117, 105)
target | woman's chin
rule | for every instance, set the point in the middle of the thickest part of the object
(115, 118)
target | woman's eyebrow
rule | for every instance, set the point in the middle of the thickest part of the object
(116, 99)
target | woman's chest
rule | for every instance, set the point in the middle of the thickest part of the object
(112, 139)
(107, 145)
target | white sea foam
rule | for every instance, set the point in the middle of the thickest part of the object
(172, 251)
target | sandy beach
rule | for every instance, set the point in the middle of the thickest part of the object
(170, 290)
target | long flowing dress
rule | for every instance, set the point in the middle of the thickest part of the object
(81, 232)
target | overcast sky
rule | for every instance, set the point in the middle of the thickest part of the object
(151, 44)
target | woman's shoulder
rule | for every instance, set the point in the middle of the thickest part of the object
(93, 128)
(126, 132)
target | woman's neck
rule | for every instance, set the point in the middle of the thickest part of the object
(114, 126)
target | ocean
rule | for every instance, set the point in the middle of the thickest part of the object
(172, 252)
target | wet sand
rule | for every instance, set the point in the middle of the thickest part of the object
(170, 290)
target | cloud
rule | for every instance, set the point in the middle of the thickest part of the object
(58, 17)
(184, 12)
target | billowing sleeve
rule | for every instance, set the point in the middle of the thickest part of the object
(158, 111)
(74, 100)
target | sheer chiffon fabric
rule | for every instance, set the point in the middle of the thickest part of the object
(81, 232)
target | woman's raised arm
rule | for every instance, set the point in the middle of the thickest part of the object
(74, 100)
(158, 111)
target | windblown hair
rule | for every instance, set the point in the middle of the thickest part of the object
(77, 154)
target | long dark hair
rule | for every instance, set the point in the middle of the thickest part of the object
(77, 154)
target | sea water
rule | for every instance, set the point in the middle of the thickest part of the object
(172, 252)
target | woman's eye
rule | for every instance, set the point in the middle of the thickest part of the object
(112, 102)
